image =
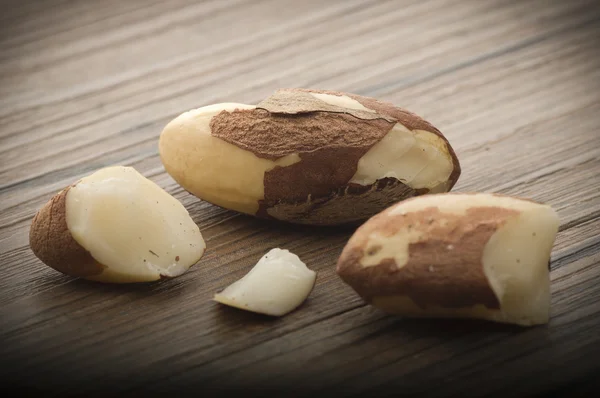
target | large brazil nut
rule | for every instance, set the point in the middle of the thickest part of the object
(116, 226)
(452, 255)
(307, 156)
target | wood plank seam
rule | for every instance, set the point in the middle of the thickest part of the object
(185, 61)
(390, 86)
(8, 186)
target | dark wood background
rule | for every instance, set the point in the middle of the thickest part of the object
(514, 85)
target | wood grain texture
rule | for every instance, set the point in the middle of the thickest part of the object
(514, 85)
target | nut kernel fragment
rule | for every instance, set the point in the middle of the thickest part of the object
(110, 227)
(278, 284)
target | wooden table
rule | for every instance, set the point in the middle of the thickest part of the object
(514, 85)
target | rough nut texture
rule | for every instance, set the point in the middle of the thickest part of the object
(272, 136)
(330, 140)
(51, 241)
(316, 175)
(444, 268)
(328, 210)
(406, 118)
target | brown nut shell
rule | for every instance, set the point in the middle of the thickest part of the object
(52, 242)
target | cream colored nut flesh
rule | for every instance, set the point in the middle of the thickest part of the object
(420, 159)
(252, 158)
(116, 226)
(210, 168)
(279, 283)
(451, 255)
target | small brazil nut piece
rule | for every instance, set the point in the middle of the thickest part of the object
(116, 226)
(307, 156)
(278, 284)
(481, 256)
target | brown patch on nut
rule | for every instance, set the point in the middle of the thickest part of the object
(373, 250)
(52, 242)
(332, 209)
(458, 279)
(271, 136)
(317, 174)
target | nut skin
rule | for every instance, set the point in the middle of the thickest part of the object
(52, 242)
(457, 279)
(330, 141)
(405, 117)
(330, 209)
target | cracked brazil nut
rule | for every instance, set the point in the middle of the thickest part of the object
(452, 255)
(116, 226)
(307, 156)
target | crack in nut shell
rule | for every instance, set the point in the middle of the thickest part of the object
(459, 279)
(294, 102)
(332, 209)
(52, 242)
(387, 110)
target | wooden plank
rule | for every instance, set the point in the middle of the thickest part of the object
(356, 336)
(88, 134)
(584, 234)
(533, 96)
(512, 85)
(20, 265)
(153, 129)
(504, 170)
(135, 46)
(488, 157)
(350, 352)
(16, 11)
(37, 29)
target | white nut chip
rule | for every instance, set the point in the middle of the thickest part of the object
(279, 283)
